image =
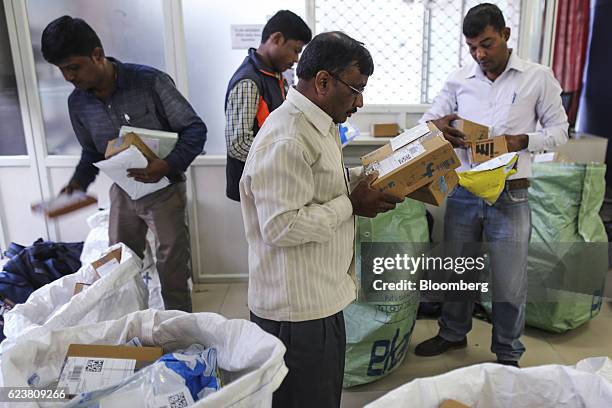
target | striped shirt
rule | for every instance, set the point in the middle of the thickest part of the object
(242, 104)
(298, 218)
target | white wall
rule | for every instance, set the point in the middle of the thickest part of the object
(18, 189)
(223, 247)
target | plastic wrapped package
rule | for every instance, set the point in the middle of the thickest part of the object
(177, 379)
(488, 179)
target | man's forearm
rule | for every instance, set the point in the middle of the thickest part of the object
(85, 172)
(188, 147)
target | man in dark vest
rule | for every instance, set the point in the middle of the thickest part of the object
(258, 87)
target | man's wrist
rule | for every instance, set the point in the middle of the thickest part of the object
(517, 142)
(167, 169)
(76, 185)
(524, 141)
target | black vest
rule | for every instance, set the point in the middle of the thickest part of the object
(272, 90)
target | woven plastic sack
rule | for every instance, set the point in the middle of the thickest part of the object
(378, 334)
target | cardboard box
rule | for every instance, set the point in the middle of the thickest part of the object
(102, 266)
(89, 367)
(488, 149)
(449, 403)
(435, 192)
(411, 160)
(80, 286)
(160, 142)
(473, 131)
(63, 204)
(108, 261)
(140, 354)
(385, 130)
(122, 143)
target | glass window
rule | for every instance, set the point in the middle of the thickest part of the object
(12, 139)
(415, 44)
(130, 30)
(211, 61)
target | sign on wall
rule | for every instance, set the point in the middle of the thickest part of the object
(245, 36)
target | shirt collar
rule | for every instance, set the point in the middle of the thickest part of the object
(315, 115)
(259, 64)
(121, 74)
(514, 62)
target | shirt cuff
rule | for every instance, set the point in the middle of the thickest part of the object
(342, 207)
(355, 174)
(174, 164)
(536, 141)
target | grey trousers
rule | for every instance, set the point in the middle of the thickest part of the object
(164, 212)
(315, 357)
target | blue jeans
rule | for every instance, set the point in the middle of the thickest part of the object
(506, 227)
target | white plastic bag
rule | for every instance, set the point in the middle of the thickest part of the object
(97, 242)
(97, 239)
(116, 169)
(601, 366)
(495, 385)
(250, 360)
(54, 306)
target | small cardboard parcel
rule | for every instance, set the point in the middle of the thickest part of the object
(411, 160)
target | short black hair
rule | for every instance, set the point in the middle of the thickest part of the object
(289, 24)
(67, 37)
(481, 16)
(333, 52)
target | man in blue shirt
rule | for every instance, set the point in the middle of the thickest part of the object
(109, 94)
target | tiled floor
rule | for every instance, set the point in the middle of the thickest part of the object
(592, 339)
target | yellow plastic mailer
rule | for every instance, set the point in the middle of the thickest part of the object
(488, 179)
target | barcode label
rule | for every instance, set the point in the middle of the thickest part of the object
(409, 136)
(178, 400)
(86, 374)
(94, 366)
(75, 374)
(400, 157)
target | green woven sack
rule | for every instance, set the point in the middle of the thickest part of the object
(568, 244)
(378, 334)
(568, 251)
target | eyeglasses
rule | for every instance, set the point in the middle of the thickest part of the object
(355, 91)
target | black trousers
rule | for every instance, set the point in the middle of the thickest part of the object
(315, 358)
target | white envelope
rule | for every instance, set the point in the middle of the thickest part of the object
(116, 169)
(496, 162)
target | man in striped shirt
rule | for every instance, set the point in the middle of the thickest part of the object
(298, 209)
(258, 87)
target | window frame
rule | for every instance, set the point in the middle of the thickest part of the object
(537, 17)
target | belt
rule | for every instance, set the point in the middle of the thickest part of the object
(517, 184)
